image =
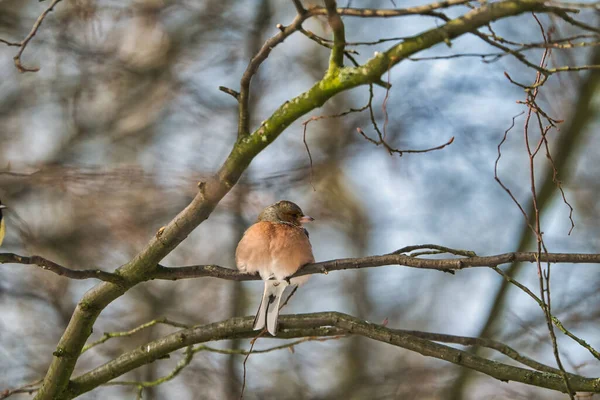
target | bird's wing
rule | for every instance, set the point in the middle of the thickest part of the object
(252, 254)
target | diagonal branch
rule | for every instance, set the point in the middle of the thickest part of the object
(244, 94)
(23, 44)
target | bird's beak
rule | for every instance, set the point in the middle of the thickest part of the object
(2, 206)
(305, 218)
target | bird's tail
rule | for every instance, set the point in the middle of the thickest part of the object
(269, 306)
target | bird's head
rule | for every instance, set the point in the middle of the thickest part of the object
(284, 211)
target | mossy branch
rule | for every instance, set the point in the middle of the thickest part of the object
(334, 324)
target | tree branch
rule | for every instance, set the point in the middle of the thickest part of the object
(330, 324)
(448, 264)
(336, 59)
(378, 13)
(10, 258)
(324, 267)
(23, 44)
(257, 60)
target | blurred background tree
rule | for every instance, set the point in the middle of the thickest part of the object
(106, 142)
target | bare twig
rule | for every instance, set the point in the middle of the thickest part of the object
(317, 118)
(381, 141)
(562, 13)
(289, 297)
(440, 249)
(29, 388)
(289, 345)
(497, 177)
(486, 58)
(230, 92)
(374, 13)
(487, 343)
(188, 356)
(252, 343)
(257, 60)
(544, 276)
(23, 44)
(10, 258)
(339, 37)
(110, 335)
(401, 152)
(299, 7)
(322, 41)
(555, 320)
(558, 184)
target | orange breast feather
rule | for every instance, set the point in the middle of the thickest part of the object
(273, 250)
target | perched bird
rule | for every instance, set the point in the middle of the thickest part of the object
(2, 225)
(276, 246)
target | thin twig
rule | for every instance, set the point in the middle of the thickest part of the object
(289, 297)
(543, 276)
(267, 350)
(401, 152)
(188, 356)
(299, 7)
(23, 44)
(257, 60)
(336, 59)
(441, 249)
(252, 343)
(555, 320)
(230, 92)
(110, 335)
(10, 258)
(426, 10)
(497, 177)
(317, 118)
(29, 388)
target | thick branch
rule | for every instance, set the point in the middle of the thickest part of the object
(325, 324)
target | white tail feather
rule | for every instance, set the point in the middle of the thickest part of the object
(273, 308)
(260, 321)
(269, 306)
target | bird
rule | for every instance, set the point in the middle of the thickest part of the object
(2, 225)
(275, 246)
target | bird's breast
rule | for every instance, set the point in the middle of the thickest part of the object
(273, 250)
